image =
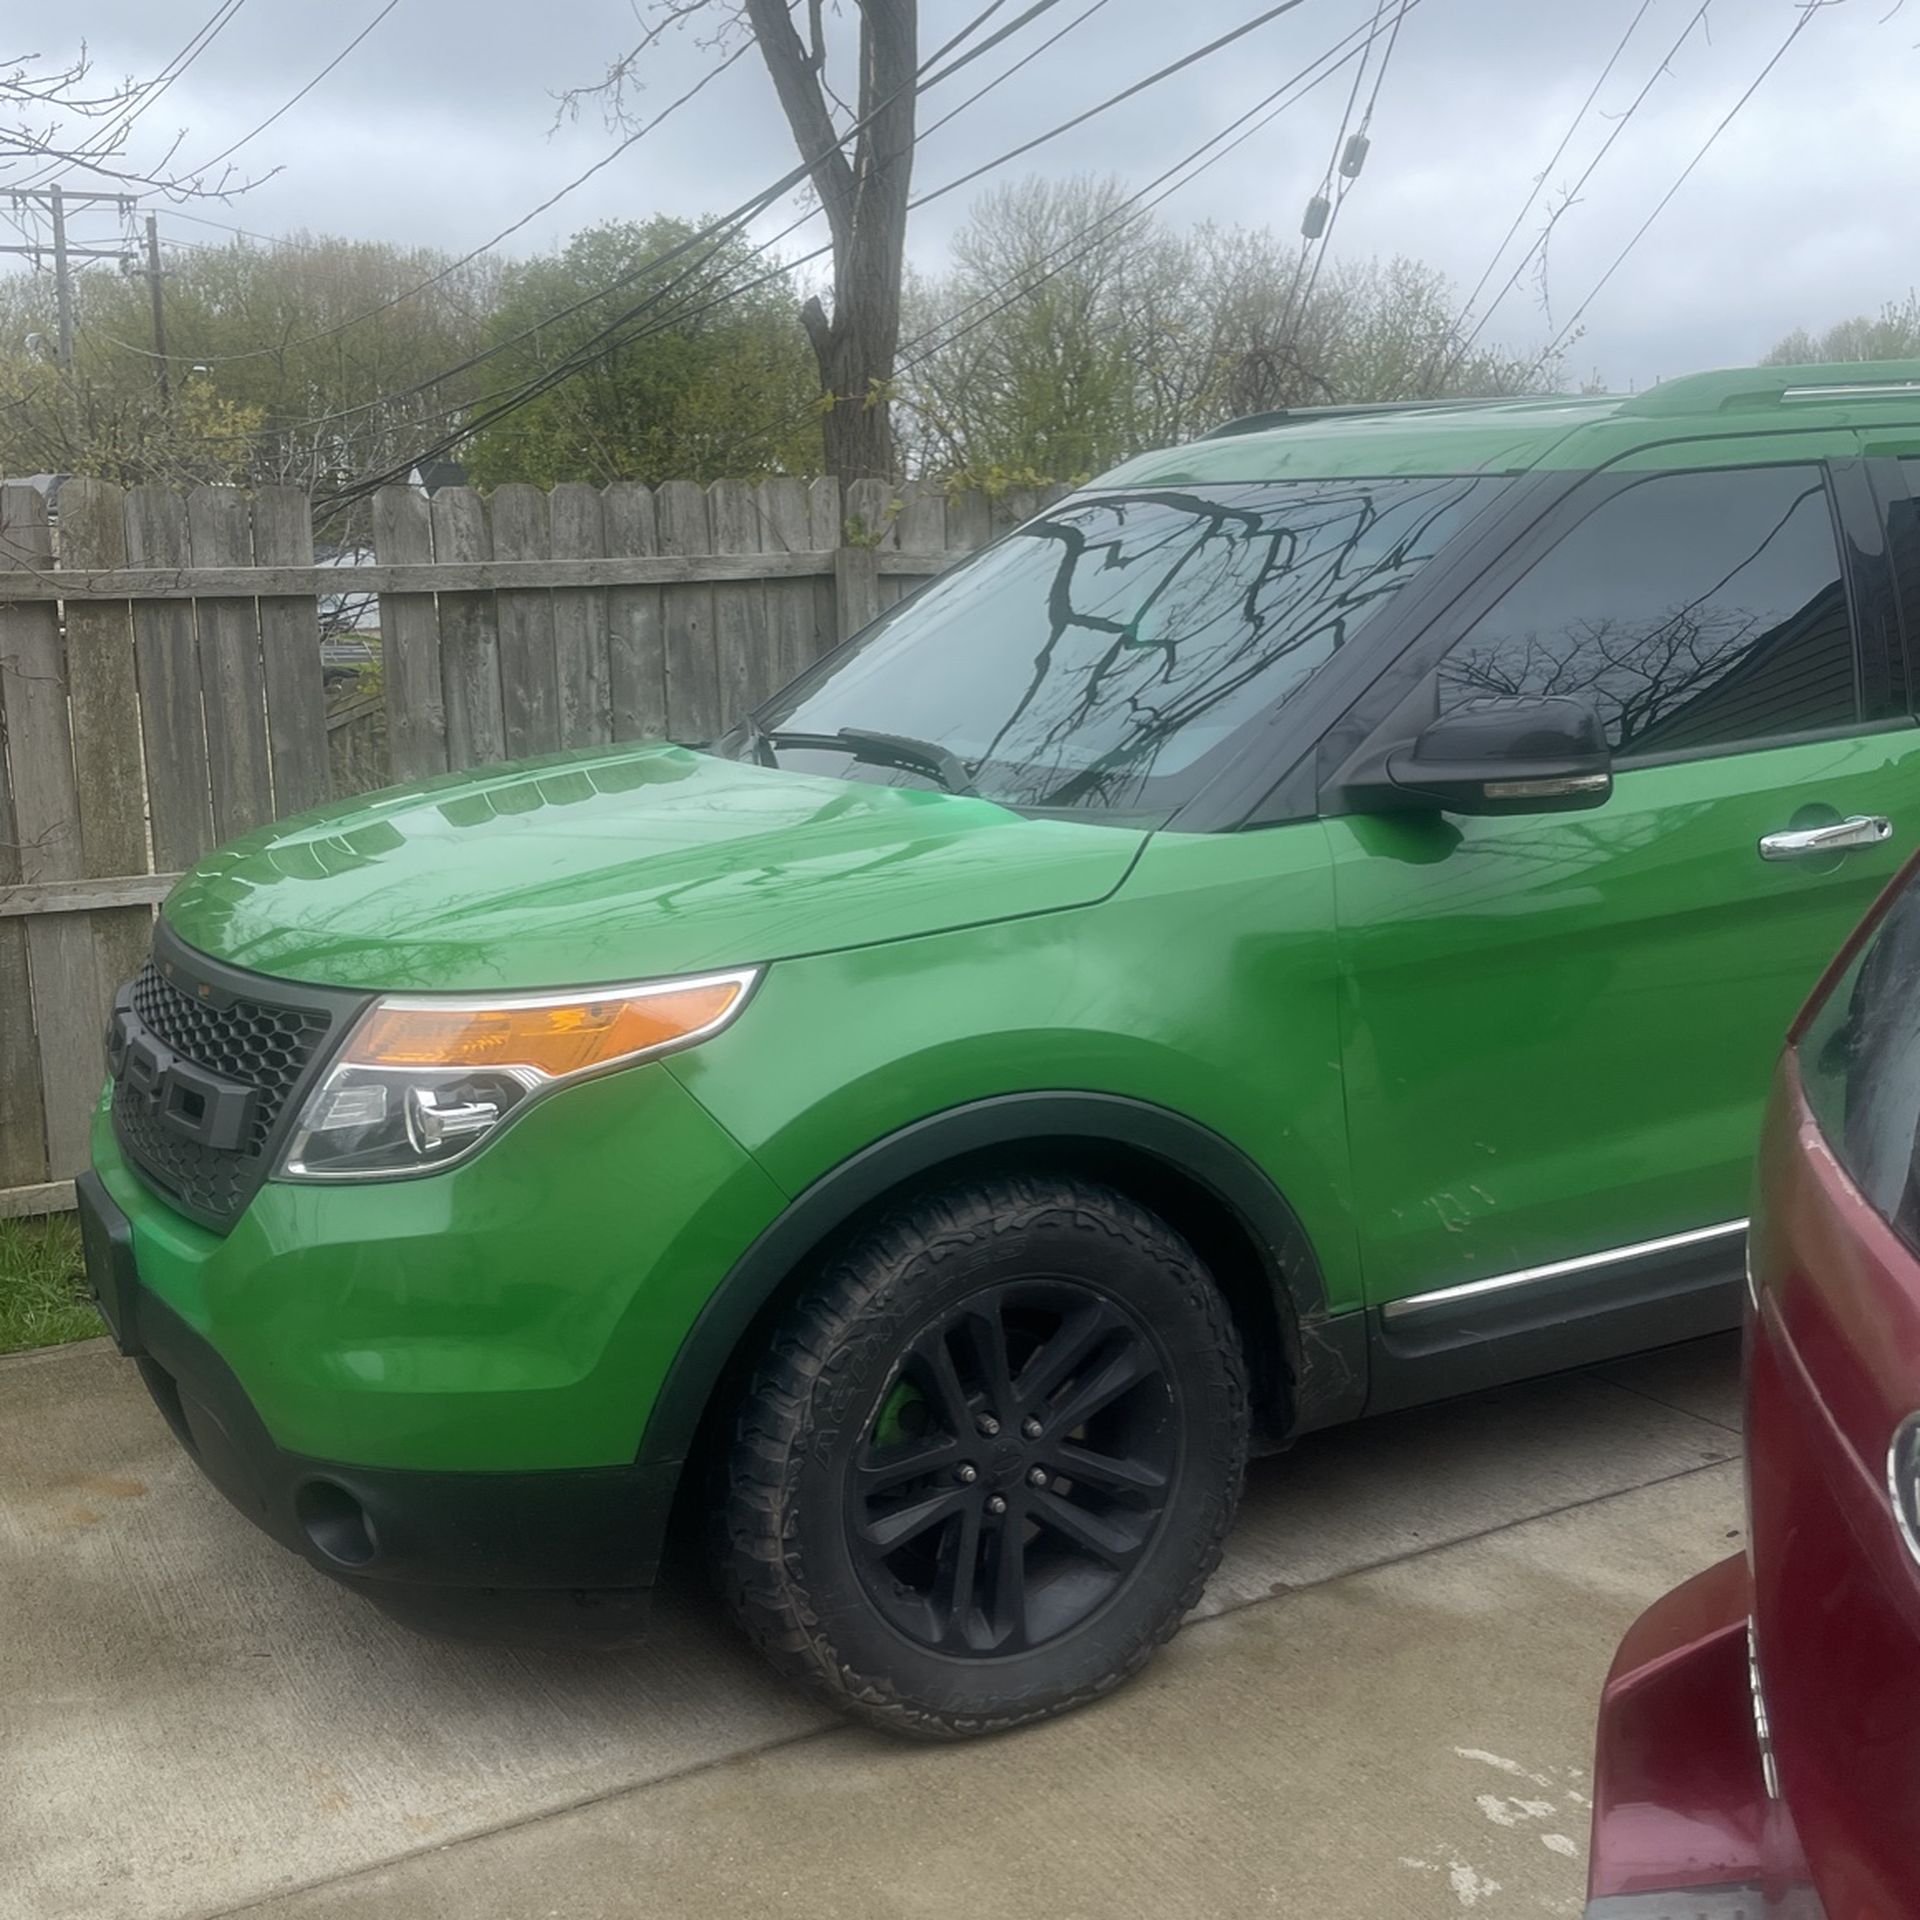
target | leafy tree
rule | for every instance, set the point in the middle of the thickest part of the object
(128, 436)
(324, 353)
(1892, 334)
(1074, 330)
(714, 387)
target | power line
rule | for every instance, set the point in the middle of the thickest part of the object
(1345, 162)
(227, 153)
(1262, 113)
(1572, 198)
(1126, 93)
(1808, 10)
(1079, 20)
(1540, 179)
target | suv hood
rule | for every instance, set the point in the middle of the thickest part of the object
(627, 864)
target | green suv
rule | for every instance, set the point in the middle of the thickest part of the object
(1298, 929)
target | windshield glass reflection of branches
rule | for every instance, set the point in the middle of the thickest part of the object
(1116, 641)
(1180, 621)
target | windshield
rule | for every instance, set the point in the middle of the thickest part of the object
(1105, 655)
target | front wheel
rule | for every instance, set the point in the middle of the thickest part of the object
(990, 1460)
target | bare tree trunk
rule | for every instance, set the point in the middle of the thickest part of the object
(865, 199)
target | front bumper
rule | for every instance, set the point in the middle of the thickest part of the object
(1684, 1824)
(517, 1312)
(560, 1554)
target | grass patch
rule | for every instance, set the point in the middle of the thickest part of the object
(43, 1296)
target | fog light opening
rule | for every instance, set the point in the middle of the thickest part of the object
(336, 1523)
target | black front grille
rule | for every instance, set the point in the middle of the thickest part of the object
(263, 1036)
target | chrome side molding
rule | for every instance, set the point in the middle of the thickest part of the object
(1583, 1263)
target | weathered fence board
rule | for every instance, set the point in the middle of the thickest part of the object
(410, 642)
(161, 687)
(103, 706)
(580, 622)
(636, 657)
(290, 655)
(529, 682)
(232, 684)
(23, 1146)
(469, 634)
(693, 672)
(179, 794)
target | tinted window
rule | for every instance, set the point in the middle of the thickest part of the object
(1100, 655)
(1904, 551)
(1697, 611)
(1860, 1063)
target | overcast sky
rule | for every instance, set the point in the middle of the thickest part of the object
(440, 128)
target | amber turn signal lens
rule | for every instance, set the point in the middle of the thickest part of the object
(555, 1038)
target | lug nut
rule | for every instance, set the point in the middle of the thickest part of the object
(988, 1425)
(966, 1475)
(1038, 1477)
(996, 1505)
(1031, 1428)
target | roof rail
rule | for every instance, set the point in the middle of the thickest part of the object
(1359, 409)
(1758, 389)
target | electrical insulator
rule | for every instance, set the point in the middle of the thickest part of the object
(1315, 224)
(1355, 156)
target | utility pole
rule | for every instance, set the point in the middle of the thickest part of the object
(62, 279)
(159, 307)
(57, 203)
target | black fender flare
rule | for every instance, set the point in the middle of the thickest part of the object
(1326, 1372)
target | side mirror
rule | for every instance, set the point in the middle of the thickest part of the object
(1517, 755)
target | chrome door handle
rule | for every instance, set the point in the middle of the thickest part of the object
(1863, 830)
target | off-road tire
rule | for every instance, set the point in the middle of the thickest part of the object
(786, 1555)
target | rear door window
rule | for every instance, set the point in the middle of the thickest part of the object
(1699, 613)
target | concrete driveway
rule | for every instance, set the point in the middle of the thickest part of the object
(1384, 1709)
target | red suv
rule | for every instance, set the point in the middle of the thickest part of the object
(1759, 1749)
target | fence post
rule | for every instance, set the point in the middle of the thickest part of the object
(856, 562)
(46, 830)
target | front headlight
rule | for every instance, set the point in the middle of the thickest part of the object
(423, 1082)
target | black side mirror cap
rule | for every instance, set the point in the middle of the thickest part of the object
(1542, 754)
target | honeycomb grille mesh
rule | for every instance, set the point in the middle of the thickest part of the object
(256, 1044)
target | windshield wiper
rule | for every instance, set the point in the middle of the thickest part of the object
(904, 750)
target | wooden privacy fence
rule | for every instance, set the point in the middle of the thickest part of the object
(161, 686)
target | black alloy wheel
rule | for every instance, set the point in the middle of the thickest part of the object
(1016, 1470)
(989, 1460)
